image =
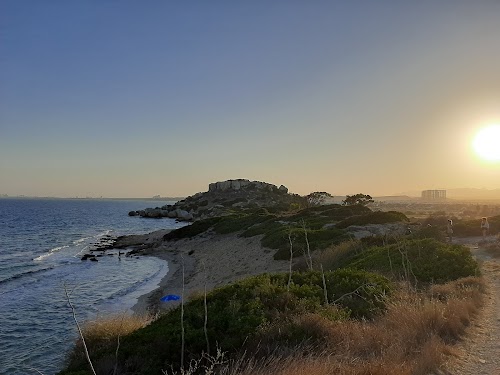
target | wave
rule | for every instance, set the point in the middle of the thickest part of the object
(51, 251)
(105, 233)
(19, 275)
(77, 242)
(80, 240)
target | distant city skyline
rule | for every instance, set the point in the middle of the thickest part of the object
(124, 99)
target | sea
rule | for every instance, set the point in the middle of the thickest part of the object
(41, 245)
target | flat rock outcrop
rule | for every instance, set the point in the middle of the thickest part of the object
(224, 196)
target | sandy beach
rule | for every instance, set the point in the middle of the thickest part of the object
(209, 260)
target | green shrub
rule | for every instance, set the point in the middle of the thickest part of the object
(377, 217)
(239, 311)
(318, 239)
(434, 232)
(262, 228)
(339, 212)
(366, 302)
(332, 257)
(192, 230)
(378, 240)
(236, 223)
(425, 260)
(316, 217)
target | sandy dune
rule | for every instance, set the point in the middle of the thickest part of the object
(209, 260)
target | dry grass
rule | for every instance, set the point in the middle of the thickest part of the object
(105, 332)
(413, 337)
(110, 327)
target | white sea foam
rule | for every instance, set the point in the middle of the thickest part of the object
(79, 241)
(42, 257)
(51, 251)
(82, 251)
(105, 233)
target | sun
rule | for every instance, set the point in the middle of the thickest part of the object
(487, 143)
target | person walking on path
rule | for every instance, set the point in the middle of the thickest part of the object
(485, 226)
(449, 229)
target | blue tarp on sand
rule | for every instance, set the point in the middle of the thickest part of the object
(170, 297)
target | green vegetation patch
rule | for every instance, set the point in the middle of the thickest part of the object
(236, 223)
(318, 239)
(316, 217)
(425, 261)
(377, 217)
(192, 230)
(238, 312)
(323, 226)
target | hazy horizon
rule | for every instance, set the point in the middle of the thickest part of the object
(120, 99)
(460, 194)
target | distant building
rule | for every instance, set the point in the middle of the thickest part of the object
(434, 195)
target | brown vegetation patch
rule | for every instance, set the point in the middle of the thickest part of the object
(104, 332)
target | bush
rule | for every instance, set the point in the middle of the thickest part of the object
(332, 257)
(236, 223)
(318, 239)
(340, 284)
(240, 311)
(424, 260)
(377, 217)
(192, 230)
(317, 217)
(430, 232)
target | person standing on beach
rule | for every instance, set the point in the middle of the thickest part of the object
(449, 229)
(485, 226)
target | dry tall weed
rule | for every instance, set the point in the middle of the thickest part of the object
(112, 326)
(412, 337)
(105, 333)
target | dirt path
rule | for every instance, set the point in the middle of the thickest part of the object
(480, 352)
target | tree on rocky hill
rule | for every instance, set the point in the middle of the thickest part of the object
(317, 198)
(362, 199)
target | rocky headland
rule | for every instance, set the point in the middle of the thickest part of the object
(223, 197)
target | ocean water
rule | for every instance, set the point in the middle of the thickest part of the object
(41, 243)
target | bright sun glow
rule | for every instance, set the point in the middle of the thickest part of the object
(487, 143)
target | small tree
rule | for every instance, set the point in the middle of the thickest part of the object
(362, 199)
(317, 198)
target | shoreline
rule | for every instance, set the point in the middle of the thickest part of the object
(208, 260)
(145, 304)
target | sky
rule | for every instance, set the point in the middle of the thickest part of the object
(135, 99)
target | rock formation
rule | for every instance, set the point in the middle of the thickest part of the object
(224, 196)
